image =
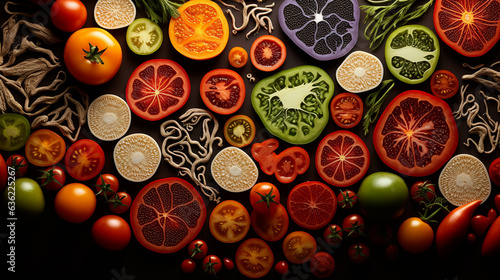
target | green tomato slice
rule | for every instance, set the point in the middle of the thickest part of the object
(412, 53)
(14, 131)
(144, 37)
(294, 104)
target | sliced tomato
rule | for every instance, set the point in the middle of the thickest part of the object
(254, 258)
(44, 148)
(238, 57)
(299, 247)
(229, 221)
(239, 131)
(322, 265)
(264, 154)
(312, 205)
(222, 91)
(342, 158)
(157, 88)
(268, 53)
(270, 226)
(444, 84)
(84, 160)
(346, 109)
(167, 214)
(290, 163)
(416, 134)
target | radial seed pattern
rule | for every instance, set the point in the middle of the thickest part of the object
(114, 14)
(137, 157)
(109, 117)
(234, 170)
(360, 72)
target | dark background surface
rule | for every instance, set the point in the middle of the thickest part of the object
(49, 248)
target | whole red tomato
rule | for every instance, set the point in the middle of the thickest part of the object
(264, 197)
(423, 191)
(212, 264)
(197, 249)
(353, 225)
(120, 202)
(111, 232)
(281, 267)
(333, 234)
(358, 253)
(188, 266)
(53, 178)
(107, 185)
(67, 15)
(19, 163)
(347, 199)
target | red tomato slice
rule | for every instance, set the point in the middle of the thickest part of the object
(416, 134)
(229, 221)
(444, 84)
(264, 154)
(44, 148)
(84, 160)
(299, 247)
(268, 53)
(290, 163)
(167, 214)
(312, 205)
(254, 258)
(270, 226)
(222, 91)
(342, 158)
(157, 88)
(346, 109)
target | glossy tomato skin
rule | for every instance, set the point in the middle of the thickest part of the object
(358, 253)
(422, 191)
(254, 258)
(18, 163)
(228, 264)
(85, 71)
(107, 185)
(197, 249)
(3, 174)
(491, 243)
(238, 57)
(222, 91)
(333, 234)
(347, 110)
(53, 178)
(111, 232)
(264, 197)
(494, 172)
(212, 264)
(68, 15)
(84, 160)
(347, 199)
(75, 203)
(26, 196)
(120, 202)
(45, 148)
(322, 265)
(188, 266)
(299, 247)
(281, 267)
(354, 225)
(229, 221)
(270, 226)
(415, 236)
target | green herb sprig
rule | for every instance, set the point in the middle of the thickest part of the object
(384, 18)
(160, 11)
(374, 102)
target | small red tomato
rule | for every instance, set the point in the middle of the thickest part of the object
(492, 215)
(479, 224)
(471, 237)
(353, 225)
(391, 251)
(120, 202)
(333, 234)
(107, 185)
(53, 178)
(322, 265)
(228, 264)
(264, 197)
(197, 249)
(19, 163)
(211, 264)
(281, 267)
(111, 232)
(423, 191)
(494, 172)
(497, 201)
(358, 253)
(188, 266)
(347, 199)
(68, 15)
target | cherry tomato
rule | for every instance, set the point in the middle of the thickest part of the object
(479, 224)
(19, 163)
(494, 171)
(471, 237)
(120, 202)
(497, 202)
(239, 131)
(222, 91)
(238, 57)
(111, 232)
(423, 191)
(268, 53)
(84, 160)
(107, 185)
(197, 249)
(415, 236)
(68, 15)
(492, 216)
(45, 148)
(333, 234)
(353, 225)
(264, 197)
(346, 109)
(444, 84)
(358, 253)
(75, 203)
(299, 247)
(228, 264)
(188, 266)
(347, 199)
(53, 178)
(322, 265)
(92, 55)
(211, 264)
(281, 267)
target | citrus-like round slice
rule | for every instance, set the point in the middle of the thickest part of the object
(360, 72)
(137, 157)
(234, 170)
(464, 179)
(114, 14)
(109, 117)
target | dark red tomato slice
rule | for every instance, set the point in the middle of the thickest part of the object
(267, 53)
(311, 205)
(264, 154)
(222, 91)
(322, 265)
(494, 171)
(299, 247)
(157, 88)
(290, 163)
(416, 134)
(270, 226)
(167, 214)
(254, 258)
(346, 109)
(84, 160)
(342, 158)
(444, 84)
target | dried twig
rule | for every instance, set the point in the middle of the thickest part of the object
(251, 11)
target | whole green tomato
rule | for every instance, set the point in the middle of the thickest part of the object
(28, 198)
(383, 196)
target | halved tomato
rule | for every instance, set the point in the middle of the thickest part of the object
(416, 134)
(229, 221)
(346, 109)
(342, 158)
(84, 160)
(238, 57)
(312, 205)
(44, 148)
(167, 214)
(272, 225)
(157, 88)
(239, 131)
(254, 258)
(222, 91)
(201, 31)
(444, 84)
(299, 247)
(268, 53)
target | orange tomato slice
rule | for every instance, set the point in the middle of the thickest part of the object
(201, 31)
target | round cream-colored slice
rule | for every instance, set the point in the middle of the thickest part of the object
(137, 157)
(234, 170)
(114, 14)
(109, 117)
(360, 72)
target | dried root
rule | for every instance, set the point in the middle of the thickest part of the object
(251, 11)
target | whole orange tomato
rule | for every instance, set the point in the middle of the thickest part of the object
(75, 203)
(415, 235)
(92, 55)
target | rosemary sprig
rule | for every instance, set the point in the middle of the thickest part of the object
(160, 11)
(374, 102)
(384, 18)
